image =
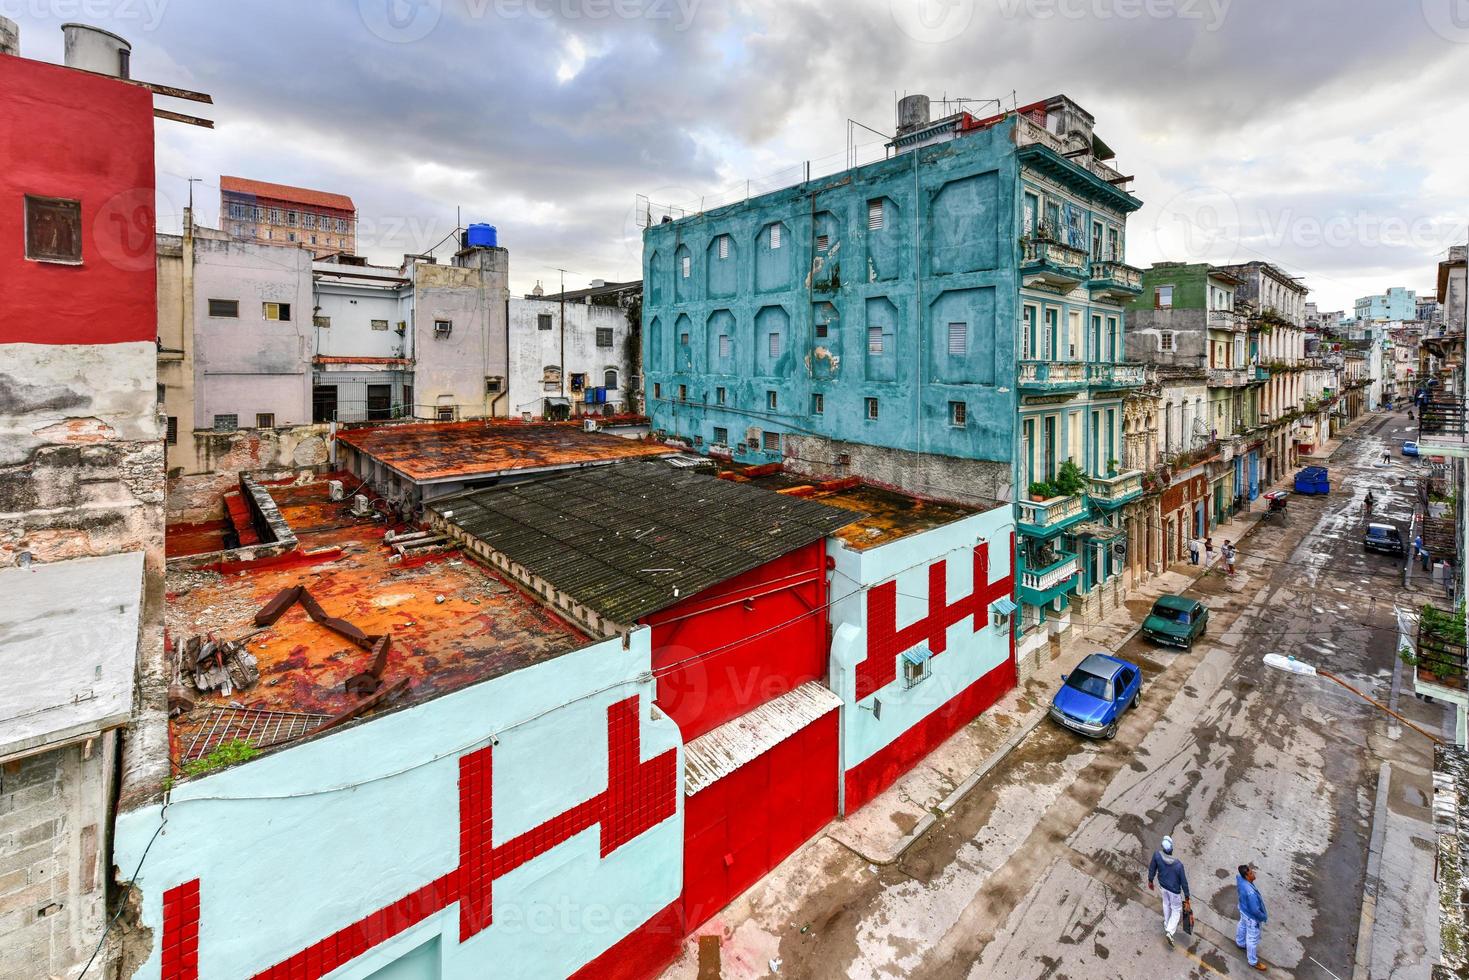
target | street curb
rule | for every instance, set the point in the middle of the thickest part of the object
(1373, 881)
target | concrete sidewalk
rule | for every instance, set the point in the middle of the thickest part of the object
(885, 827)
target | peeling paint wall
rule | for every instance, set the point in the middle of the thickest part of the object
(451, 368)
(532, 350)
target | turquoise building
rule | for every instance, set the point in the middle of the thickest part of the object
(948, 320)
(1398, 303)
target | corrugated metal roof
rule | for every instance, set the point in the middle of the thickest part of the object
(285, 192)
(631, 538)
(714, 755)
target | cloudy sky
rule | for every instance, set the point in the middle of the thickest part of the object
(1330, 136)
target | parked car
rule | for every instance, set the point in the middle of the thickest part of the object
(1177, 621)
(1410, 448)
(1385, 538)
(1095, 694)
(1312, 480)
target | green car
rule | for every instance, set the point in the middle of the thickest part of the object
(1177, 621)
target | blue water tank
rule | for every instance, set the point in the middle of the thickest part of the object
(481, 236)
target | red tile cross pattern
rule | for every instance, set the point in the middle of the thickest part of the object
(885, 642)
(639, 795)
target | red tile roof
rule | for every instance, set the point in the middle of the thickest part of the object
(285, 192)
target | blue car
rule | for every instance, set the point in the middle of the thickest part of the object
(1095, 694)
(1410, 448)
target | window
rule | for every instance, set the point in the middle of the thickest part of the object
(275, 216)
(725, 346)
(492, 387)
(442, 328)
(226, 423)
(874, 340)
(874, 215)
(342, 225)
(224, 307)
(774, 345)
(172, 430)
(958, 413)
(719, 396)
(686, 265)
(265, 420)
(775, 236)
(609, 379)
(308, 221)
(1165, 340)
(313, 239)
(823, 243)
(259, 214)
(276, 311)
(770, 400)
(290, 236)
(379, 324)
(321, 321)
(604, 336)
(821, 330)
(917, 666)
(578, 382)
(291, 218)
(53, 230)
(870, 407)
(239, 211)
(721, 436)
(722, 243)
(818, 403)
(543, 321)
(958, 339)
(770, 442)
(657, 390)
(683, 393)
(1163, 298)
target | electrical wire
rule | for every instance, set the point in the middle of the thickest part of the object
(123, 901)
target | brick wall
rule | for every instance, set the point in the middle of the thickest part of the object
(52, 858)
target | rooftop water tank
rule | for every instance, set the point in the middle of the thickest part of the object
(481, 236)
(93, 49)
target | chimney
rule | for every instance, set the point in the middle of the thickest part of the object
(93, 49)
(9, 36)
(912, 114)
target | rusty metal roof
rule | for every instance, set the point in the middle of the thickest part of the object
(630, 539)
(438, 451)
(714, 755)
(285, 192)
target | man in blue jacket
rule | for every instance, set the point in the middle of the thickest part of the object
(1173, 882)
(1251, 916)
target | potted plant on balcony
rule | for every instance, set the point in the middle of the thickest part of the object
(1041, 491)
(1111, 467)
(1070, 479)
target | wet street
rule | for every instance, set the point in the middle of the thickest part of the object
(1041, 870)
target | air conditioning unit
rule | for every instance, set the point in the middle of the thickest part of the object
(589, 425)
(492, 385)
(335, 490)
(442, 328)
(361, 506)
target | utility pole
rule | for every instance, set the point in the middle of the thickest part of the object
(563, 337)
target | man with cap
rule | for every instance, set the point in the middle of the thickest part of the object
(1251, 916)
(1168, 870)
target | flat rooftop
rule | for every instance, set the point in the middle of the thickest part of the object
(482, 628)
(439, 451)
(880, 515)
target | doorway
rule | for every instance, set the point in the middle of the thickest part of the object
(379, 402)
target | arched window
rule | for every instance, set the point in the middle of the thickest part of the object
(609, 379)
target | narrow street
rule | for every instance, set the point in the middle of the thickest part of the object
(1041, 870)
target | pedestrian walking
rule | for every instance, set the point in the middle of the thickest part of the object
(1209, 552)
(1193, 551)
(1173, 883)
(1369, 502)
(1229, 557)
(1251, 916)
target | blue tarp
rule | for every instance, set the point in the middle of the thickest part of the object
(1313, 480)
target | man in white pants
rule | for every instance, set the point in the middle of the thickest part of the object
(1172, 882)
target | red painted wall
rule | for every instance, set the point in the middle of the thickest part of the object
(741, 827)
(72, 135)
(787, 643)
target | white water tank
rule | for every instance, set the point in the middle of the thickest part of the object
(93, 49)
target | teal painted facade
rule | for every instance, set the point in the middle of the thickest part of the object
(1398, 303)
(862, 307)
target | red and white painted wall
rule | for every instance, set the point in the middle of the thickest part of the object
(533, 822)
(919, 645)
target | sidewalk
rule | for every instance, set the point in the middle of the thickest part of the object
(885, 827)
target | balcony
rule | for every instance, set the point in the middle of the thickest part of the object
(1262, 373)
(1114, 377)
(1111, 492)
(1227, 320)
(1043, 585)
(1230, 377)
(1052, 376)
(1043, 518)
(1051, 265)
(1443, 428)
(1439, 654)
(1115, 282)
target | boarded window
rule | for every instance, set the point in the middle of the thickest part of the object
(53, 229)
(604, 336)
(874, 340)
(543, 321)
(874, 215)
(818, 403)
(173, 430)
(725, 347)
(775, 345)
(276, 311)
(775, 236)
(958, 339)
(724, 246)
(770, 442)
(224, 307)
(958, 413)
(226, 423)
(821, 330)
(870, 405)
(609, 379)
(265, 420)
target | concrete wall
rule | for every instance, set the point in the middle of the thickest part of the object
(386, 809)
(266, 453)
(451, 370)
(351, 308)
(532, 350)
